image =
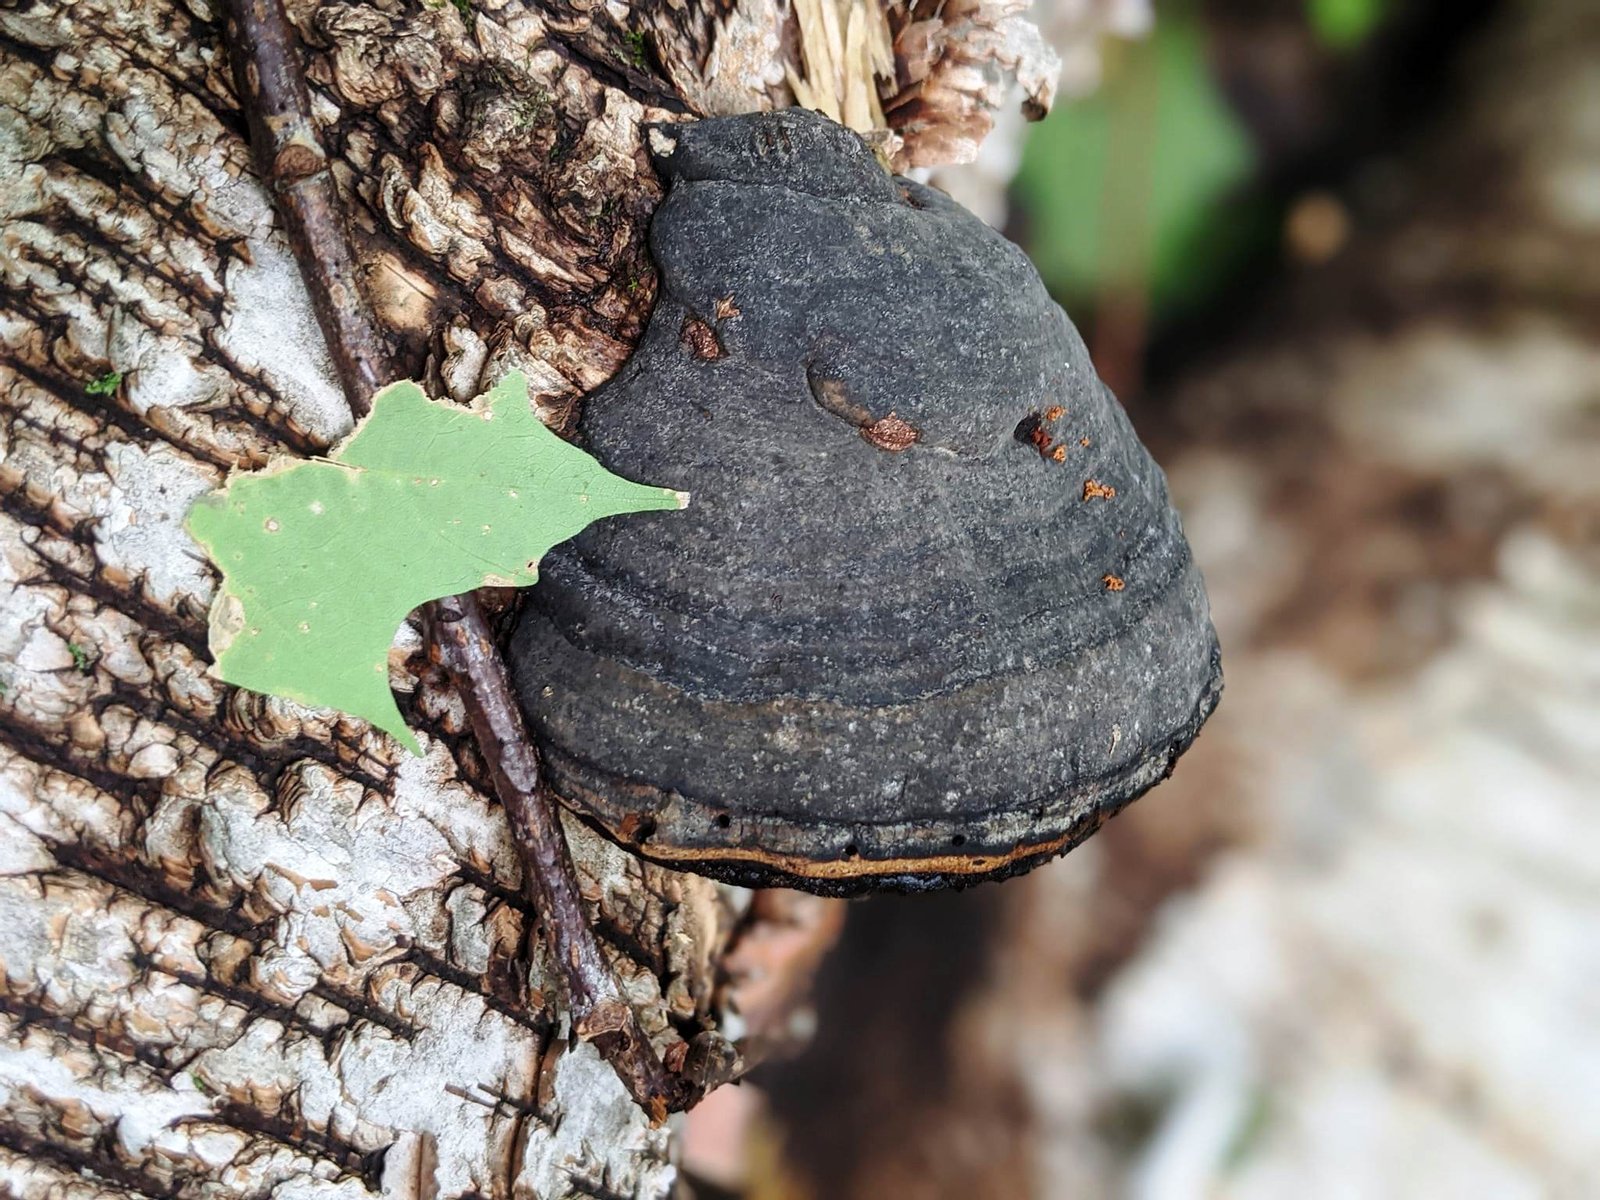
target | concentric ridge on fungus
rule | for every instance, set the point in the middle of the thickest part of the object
(930, 616)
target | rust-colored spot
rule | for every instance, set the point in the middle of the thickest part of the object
(1040, 439)
(608, 1016)
(890, 433)
(727, 308)
(674, 1057)
(1059, 454)
(1113, 582)
(636, 827)
(1084, 442)
(1093, 489)
(1054, 413)
(700, 338)
(298, 161)
(549, 1063)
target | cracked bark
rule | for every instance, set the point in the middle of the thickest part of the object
(270, 80)
(247, 945)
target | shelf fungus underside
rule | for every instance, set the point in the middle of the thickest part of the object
(930, 616)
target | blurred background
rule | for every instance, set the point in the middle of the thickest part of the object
(1341, 260)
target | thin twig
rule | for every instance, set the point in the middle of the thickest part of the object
(290, 157)
(464, 642)
(270, 78)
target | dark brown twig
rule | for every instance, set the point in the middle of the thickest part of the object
(271, 81)
(464, 643)
(290, 157)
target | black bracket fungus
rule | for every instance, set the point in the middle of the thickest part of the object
(930, 617)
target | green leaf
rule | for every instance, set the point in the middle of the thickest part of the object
(323, 558)
(105, 385)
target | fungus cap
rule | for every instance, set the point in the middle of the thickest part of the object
(930, 616)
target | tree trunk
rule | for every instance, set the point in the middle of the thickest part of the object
(246, 944)
(249, 947)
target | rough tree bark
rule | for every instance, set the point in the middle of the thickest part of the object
(246, 945)
(249, 948)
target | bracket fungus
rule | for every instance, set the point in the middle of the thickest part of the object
(930, 617)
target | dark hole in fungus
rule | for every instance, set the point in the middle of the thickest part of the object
(723, 821)
(851, 851)
(1033, 431)
(1027, 427)
(959, 839)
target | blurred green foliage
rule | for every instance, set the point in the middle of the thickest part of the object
(1343, 24)
(1128, 190)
